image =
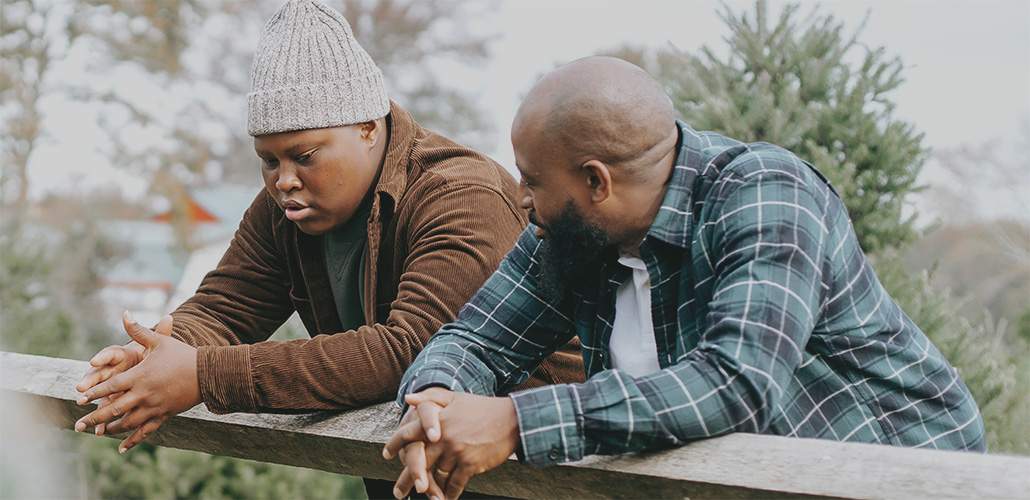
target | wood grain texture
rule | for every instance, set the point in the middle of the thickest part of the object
(733, 466)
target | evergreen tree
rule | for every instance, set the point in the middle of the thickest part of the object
(810, 86)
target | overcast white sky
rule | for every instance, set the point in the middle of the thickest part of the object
(968, 66)
(968, 61)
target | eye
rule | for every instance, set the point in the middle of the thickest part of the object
(304, 159)
(270, 163)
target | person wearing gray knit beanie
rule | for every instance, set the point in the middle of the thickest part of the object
(371, 228)
(311, 77)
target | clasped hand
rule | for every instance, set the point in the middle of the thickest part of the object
(139, 385)
(446, 438)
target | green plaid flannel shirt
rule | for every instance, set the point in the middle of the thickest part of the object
(767, 317)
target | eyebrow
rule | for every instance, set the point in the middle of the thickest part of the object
(300, 148)
(293, 150)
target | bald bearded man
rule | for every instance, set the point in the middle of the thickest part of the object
(715, 286)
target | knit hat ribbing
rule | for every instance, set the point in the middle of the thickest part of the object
(310, 72)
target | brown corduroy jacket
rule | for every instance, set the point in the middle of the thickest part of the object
(443, 217)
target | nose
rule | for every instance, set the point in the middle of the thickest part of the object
(525, 197)
(287, 180)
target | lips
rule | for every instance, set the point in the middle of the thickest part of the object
(296, 211)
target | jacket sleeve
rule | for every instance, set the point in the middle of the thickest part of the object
(243, 300)
(457, 235)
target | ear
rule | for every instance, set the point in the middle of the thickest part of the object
(599, 180)
(371, 131)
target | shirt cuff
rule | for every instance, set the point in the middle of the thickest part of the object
(226, 381)
(550, 429)
(425, 379)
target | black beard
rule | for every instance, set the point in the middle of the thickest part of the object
(571, 255)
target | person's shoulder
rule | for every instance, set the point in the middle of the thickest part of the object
(443, 162)
(447, 177)
(750, 163)
(759, 158)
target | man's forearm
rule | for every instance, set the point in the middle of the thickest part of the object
(448, 362)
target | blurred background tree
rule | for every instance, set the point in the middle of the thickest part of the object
(49, 286)
(26, 53)
(806, 82)
(416, 43)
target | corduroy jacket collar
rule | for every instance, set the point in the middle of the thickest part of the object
(392, 183)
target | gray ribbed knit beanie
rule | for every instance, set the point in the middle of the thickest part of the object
(310, 72)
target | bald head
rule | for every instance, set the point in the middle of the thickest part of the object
(599, 108)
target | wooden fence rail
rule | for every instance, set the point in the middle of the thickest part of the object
(734, 466)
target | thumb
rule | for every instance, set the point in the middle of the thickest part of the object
(164, 327)
(141, 335)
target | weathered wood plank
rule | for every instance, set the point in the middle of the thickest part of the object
(734, 466)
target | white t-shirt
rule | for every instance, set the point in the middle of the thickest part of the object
(632, 344)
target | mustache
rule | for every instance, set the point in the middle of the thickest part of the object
(533, 219)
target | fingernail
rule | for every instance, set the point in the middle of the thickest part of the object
(122, 450)
(420, 485)
(80, 426)
(396, 492)
(387, 455)
(433, 434)
(82, 401)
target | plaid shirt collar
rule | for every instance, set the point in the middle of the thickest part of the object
(675, 219)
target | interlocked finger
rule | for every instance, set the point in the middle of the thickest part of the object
(407, 433)
(133, 420)
(429, 415)
(457, 482)
(141, 433)
(444, 466)
(118, 383)
(117, 407)
(101, 428)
